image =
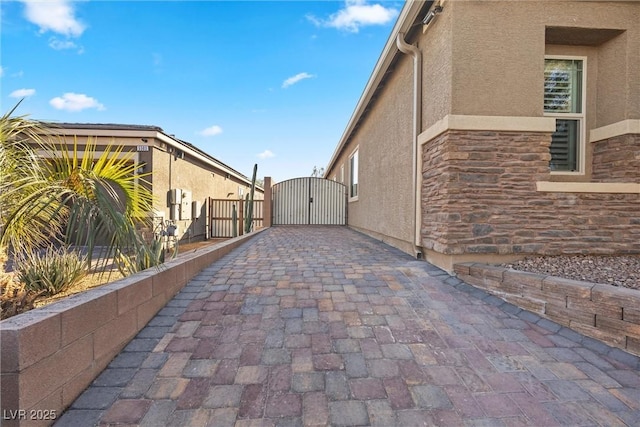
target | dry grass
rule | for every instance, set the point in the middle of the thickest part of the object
(90, 281)
(94, 280)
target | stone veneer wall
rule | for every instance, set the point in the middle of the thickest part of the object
(604, 312)
(617, 159)
(479, 197)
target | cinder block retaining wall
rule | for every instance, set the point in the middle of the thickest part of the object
(51, 354)
(607, 313)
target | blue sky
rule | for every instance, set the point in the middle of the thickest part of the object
(272, 83)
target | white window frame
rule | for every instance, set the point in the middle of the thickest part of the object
(354, 175)
(580, 117)
(342, 173)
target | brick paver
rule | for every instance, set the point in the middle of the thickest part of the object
(324, 326)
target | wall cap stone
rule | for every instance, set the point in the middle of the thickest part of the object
(623, 127)
(588, 187)
(488, 123)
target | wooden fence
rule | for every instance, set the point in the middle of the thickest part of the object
(221, 216)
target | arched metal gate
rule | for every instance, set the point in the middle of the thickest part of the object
(309, 200)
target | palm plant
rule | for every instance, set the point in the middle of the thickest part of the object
(55, 194)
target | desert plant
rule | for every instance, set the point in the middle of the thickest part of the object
(146, 255)
(248, 221)
(50, 272)
(234, 221)
(248, 218)
(54, 193)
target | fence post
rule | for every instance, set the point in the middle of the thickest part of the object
(207, 218)
(266, 207)
(241, 217)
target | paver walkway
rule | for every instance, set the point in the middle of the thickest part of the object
(325, 326)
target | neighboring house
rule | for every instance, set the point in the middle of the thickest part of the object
(182, 178)
(492, 130)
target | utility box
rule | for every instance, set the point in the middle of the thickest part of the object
(185, 206)
(174, 212)
(175, 196)
(195, 209)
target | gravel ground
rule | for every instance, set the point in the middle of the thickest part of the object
(621, 271)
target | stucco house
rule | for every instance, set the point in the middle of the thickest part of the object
(182, 177)
(492, 130)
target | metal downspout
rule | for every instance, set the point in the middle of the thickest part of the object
(412, 50)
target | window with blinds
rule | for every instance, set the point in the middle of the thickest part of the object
(353, 174)
(563, 99)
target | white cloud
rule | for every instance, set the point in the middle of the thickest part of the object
(356, 14)
(75, 102)
(54, 15)
(211, 131)
(58, 44)
(295, 79)
(266, 154)
(22, 93)
(1, 71)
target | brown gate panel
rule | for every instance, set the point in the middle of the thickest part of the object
(221, 216)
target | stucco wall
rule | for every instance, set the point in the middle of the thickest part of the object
(437, 69)
(498, 52)
(498, 49)
(383, 208)
(171, 172)
(614, 65)
(203, 181)
(485, 59)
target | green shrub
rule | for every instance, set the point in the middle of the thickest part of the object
(146, 255)
(52, 272)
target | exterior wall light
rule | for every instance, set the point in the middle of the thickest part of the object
(432, 14)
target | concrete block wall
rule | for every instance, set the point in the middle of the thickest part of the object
(604, 312)
(49, 355)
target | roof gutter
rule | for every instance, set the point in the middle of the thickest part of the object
(408, 16)
(412, 50)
